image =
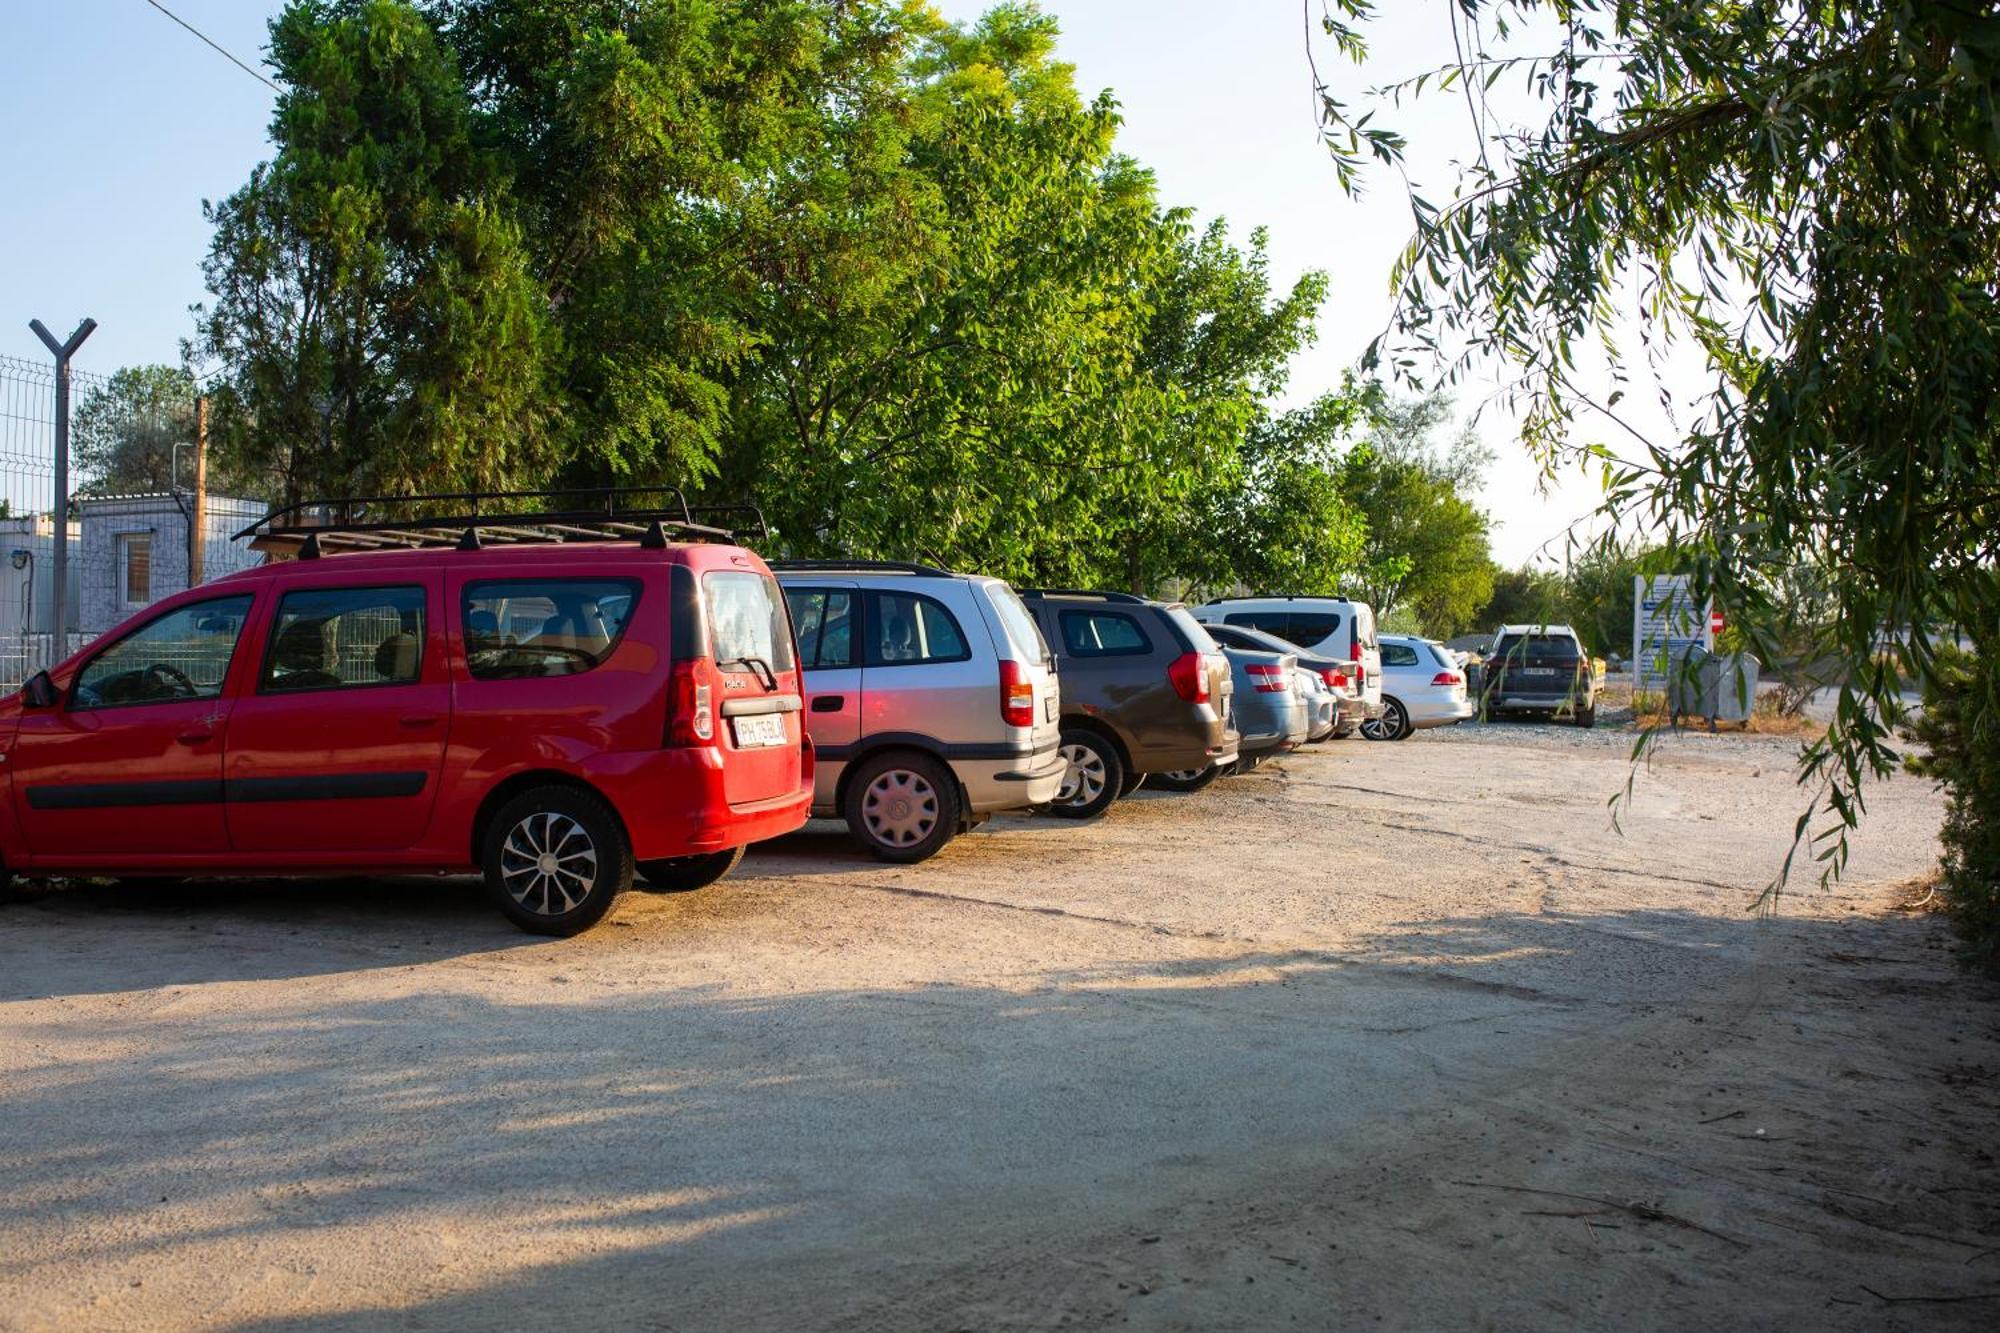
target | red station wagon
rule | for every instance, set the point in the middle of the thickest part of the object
(558, 700)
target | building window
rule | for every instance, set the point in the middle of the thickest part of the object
(135, 568)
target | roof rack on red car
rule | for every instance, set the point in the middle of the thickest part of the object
(468, 520)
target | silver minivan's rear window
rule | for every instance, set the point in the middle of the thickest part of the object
(1364, 627)
(1020, 626)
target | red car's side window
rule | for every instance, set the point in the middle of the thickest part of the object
(345, 638)
(523, 628)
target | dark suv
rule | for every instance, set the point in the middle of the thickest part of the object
(1540, 669)
(1144, 690)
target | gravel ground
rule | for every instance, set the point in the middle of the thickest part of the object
(1398, 1035)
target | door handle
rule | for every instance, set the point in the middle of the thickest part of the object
(828, 703)
(414, 720)
(196, 735)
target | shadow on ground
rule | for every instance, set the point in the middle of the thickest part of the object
(583, 1155)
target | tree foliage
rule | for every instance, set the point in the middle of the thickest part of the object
(126, 430)
(1960, 735)
(1803, 195)
(887, 276)
(123, 433)
(373, 301)
(1426, 549)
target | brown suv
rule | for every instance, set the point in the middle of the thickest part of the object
(1144, 690)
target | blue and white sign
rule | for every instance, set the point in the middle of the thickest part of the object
(1666, 622)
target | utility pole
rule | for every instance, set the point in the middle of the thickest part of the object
(198, 543)
(62, 352)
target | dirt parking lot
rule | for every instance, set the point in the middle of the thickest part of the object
(1398, 1036)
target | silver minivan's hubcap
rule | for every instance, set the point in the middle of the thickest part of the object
(1084, 782)
(900, 808)
(548, 863)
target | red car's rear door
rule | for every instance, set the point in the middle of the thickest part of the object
(750, 635)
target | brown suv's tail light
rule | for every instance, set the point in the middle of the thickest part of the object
(1268, 677)
(1188, 674)
(1017, 695)
(691, 692)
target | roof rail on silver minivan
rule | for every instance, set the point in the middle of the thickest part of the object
(863, 567)
(1083, 592)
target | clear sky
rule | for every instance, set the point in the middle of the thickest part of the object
(120, 124)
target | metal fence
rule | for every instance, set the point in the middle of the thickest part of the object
(28, 515)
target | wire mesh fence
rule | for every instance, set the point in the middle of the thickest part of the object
(28, 516)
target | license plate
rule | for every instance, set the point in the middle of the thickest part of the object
(1048, 708)
(761, 729)
(1538, 671)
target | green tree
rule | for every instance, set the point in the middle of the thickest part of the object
(889, 277)
(1525, 596)
(374, 308)
(1288, 525)
(1426, 549)
(1219, 489)
(938, 348)
(1959, 731)
(691, 177)
(1599, 593)
(1808, 196)
(123, 433)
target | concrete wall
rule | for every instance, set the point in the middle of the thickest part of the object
(95, 562)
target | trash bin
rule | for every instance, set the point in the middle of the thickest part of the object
(1715, 686)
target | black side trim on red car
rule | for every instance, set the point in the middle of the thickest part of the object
(328, 787)
(111, 795)
(208, 791)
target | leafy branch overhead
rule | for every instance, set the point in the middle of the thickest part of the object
(888, 276)
(1803, 200)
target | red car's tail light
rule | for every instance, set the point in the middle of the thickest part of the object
(1268, 677)
(1017, 695)
(691, 702)
(1188, 674)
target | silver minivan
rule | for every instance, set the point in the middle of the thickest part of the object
(931, 700)
(1325, 626)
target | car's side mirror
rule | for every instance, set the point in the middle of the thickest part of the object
(39, 691)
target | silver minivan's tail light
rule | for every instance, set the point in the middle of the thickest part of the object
(1017, 695)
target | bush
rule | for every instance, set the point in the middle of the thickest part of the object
(1960, 729)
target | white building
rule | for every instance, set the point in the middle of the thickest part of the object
(132, 550)
(27, 575)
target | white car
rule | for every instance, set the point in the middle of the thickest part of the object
(1423, 685)
(1324, 626)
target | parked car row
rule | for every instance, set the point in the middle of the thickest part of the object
(603, 693)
